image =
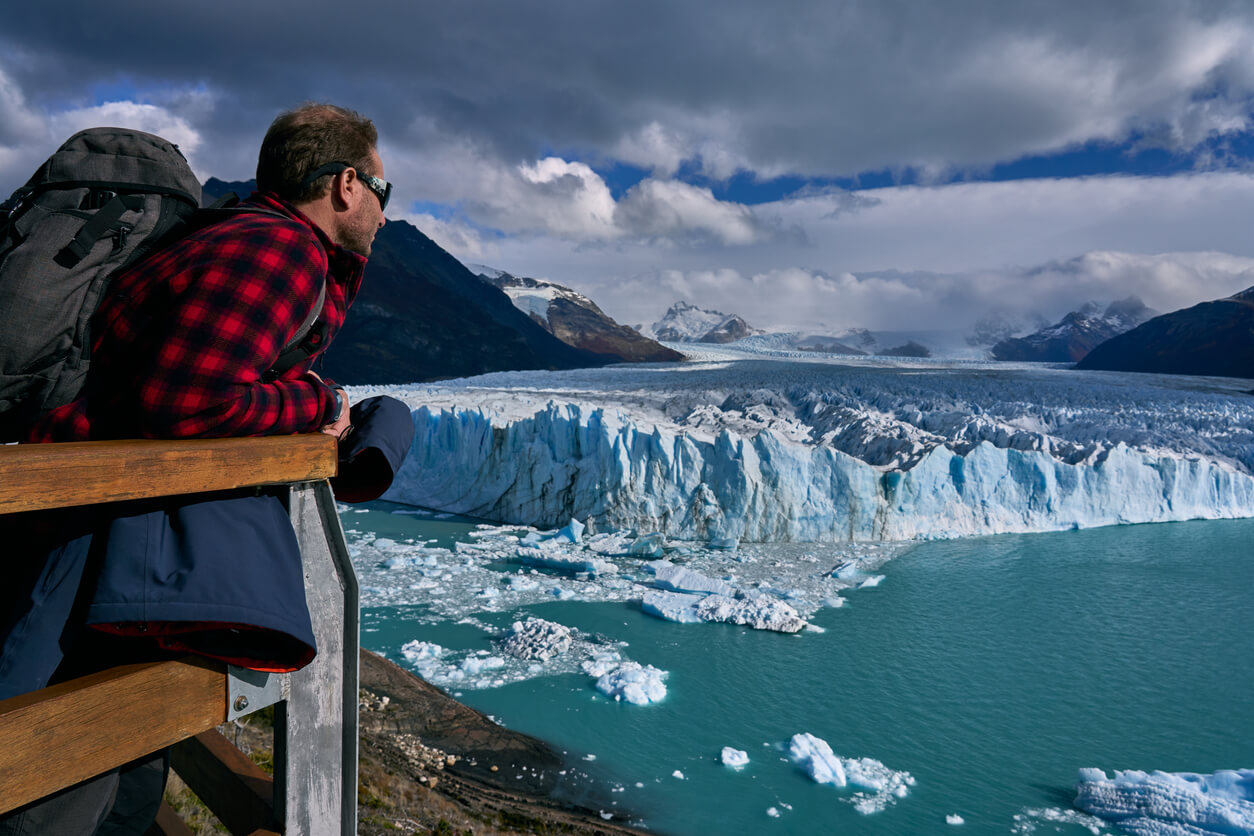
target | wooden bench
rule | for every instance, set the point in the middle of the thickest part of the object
(53, 738)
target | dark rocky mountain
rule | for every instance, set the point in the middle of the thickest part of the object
(827, 345)
(1078, 333)
(909, 349)
(575, 319)
(1212, 338)
(421, 315)
(685, 323)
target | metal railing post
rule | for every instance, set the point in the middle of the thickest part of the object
(316, 728)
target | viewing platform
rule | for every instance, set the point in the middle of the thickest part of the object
(56, 737)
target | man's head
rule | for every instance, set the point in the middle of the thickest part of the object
(344, 201)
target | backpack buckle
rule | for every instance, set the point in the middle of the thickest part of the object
(96, 199)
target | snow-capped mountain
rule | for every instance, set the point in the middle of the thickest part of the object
(574, 318)
(685, 323)
(1076, 334)
(1211, 338)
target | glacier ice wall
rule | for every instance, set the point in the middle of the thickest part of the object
(575, 461)
(748, 449)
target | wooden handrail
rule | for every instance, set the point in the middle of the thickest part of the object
(238, 792)
(69, 732)
(41, 476)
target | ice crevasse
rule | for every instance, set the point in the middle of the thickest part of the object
(573, 460)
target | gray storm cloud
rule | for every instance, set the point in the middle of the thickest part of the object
(809, 88)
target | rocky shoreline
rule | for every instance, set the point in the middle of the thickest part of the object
(432, 765)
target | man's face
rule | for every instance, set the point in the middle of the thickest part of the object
(365, 218)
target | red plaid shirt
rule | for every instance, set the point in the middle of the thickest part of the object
(181, 341)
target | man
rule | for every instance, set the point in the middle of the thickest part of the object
(187, 344)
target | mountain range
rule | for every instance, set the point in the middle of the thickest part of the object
(1210, 338)
(574, 318)
(1076, 334)
(687, 323)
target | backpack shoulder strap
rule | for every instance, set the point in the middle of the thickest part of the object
(311, 334)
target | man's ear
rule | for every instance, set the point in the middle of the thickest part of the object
(343, 188)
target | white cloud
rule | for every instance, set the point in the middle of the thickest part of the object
(914, 256)
(142, 117)
(673, 209)
(28, 137)
(464, 242)
(654, 147)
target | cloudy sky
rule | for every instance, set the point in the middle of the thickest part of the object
(812, 164)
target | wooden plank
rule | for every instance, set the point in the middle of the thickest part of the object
(38, 476)
(168, 823)
(58, 736)
(238, 792)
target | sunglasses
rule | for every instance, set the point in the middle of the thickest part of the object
(382, 188)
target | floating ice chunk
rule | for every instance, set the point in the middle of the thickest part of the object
(672, 606)
(650, 545)
(679, 579)
(723, 543)
(637, 684)
(521, 583)
(1024, 822)
(611, 544)
(955, 819)
(760, 613)
(1149, 804)
(478, 664)
(536, 638)
(570, 562)
(874, 580)
(416, 651)
(835, 601)
(735, 758)
(773, 812)
(678, 774)
(571, 533)
(815, 756)
(562, 594)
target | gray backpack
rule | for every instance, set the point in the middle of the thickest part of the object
(106, 199)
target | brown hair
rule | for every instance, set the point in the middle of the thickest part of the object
(307, 137)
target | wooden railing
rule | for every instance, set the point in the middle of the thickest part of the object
(54, 738)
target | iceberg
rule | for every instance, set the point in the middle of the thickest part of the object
(536, 638)
(1170, 803)
(565, 561)
(672, 606)
(737, 449)
(815, 756)
(624, 680)
(667, 575)
(735, 758)
(761, 612)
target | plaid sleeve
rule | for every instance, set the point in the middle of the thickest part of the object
(233, 305)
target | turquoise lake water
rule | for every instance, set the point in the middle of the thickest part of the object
(990, 669)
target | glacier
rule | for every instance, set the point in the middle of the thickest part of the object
(732, 447)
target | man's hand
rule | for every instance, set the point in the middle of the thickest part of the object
(339, 426)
